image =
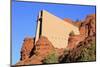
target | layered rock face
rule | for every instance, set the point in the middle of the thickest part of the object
(82, 47)
(87, 29)
(44, 45)
(35, 53)
(27, 47)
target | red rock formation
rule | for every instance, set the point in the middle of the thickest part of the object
(34, 53)
(87, 28)
(77, 23)
(42, 48)
(27, 47)
(82, 47)
(44, 45)
(68, 20)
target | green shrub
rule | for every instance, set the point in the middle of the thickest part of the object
(71, 33)
(51, 58)
(85, 52)
(88, 54)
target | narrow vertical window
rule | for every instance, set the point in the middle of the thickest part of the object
(40, 19)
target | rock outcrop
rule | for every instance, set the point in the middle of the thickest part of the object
(82, 47)
(32, 53)
(87, 29)
(27, 47)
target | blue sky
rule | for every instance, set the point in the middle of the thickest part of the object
(24, 16)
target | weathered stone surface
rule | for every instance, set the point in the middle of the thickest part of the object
(34, 53)
(44, 45)
(27, 47)
(68, 20)
(41, 49)
(87, 28)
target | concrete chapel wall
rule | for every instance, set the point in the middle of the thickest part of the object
(56, 30)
